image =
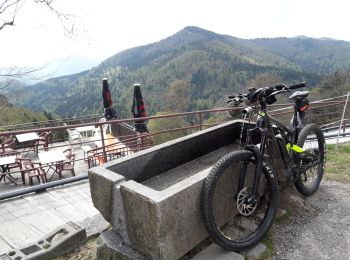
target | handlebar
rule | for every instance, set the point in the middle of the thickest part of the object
(237, 99)
(299, 85)
(269, 93)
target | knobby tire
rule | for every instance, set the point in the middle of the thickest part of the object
(301, 183)
(207, 204)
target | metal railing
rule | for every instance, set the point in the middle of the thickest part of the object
(198, 126)
(133, 142)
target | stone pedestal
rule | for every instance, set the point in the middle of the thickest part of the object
(110, 246)
(152, 198)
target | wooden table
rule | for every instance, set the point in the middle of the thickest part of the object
(4, 164)
(52, 158)
(28, 138)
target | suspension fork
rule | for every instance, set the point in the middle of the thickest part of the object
(258, 168)
(242, 174)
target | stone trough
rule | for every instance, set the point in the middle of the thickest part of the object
(152, 198)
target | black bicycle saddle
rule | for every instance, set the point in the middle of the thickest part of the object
(299, 94)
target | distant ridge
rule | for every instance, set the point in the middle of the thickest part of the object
(212, 64)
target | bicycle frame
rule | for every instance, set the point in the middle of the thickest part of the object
(264, 126)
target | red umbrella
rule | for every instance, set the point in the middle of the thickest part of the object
(138, 110)
(110, 112)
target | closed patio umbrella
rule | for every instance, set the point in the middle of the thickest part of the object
(138, 110)
(109, 111)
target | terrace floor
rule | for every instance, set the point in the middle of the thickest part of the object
(28, 218)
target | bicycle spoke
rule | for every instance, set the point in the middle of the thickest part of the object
(231, 224)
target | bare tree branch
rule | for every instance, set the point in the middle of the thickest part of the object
(7, 4)
(7, 83)
(5, 24)
(19, 72)
(9, 10)
(14, 73)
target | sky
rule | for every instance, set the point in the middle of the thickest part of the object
(106, 27)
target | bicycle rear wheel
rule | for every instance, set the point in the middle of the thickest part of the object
(312, 160)
(231, 221)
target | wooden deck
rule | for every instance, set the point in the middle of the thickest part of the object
(28, 218)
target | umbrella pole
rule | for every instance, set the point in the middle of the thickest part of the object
(103, 144)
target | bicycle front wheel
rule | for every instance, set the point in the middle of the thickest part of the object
(231, 219)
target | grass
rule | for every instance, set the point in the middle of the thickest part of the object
(268, 242)
(84, 252)
(281, 217)
(270, 249)
(338, 161)
(268, 239)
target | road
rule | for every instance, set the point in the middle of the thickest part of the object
(319, 227)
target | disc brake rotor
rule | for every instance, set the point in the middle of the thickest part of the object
(245, 208)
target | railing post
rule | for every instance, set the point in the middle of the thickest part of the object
(200, 121)
(342, 119)
(103, 144)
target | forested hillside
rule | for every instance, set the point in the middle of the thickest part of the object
(201, 65)
(10, 114)
(323, 56)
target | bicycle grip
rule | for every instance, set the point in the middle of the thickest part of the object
(299, 85)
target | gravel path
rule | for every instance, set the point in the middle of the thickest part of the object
(321, 229)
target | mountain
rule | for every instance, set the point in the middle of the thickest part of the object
(323, 55)
(10, 114)
(210, 65)
(7, 84)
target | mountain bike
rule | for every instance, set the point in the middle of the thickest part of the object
(239, 199)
